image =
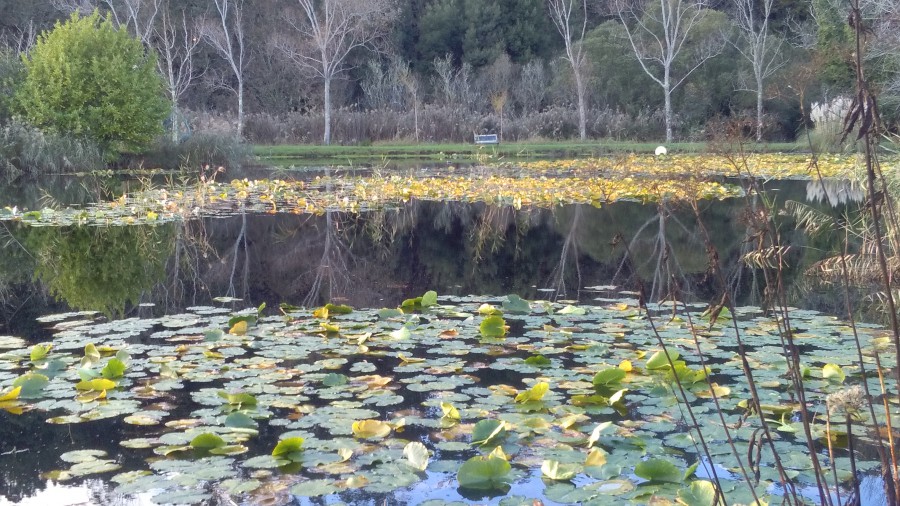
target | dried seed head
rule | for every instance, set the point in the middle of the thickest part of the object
(849, 401)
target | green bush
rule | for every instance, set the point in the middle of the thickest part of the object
(88, 80)
(12, 73)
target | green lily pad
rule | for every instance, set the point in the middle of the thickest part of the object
(558, 471)
(487, 431)
(700, 493)
(484, 473)
(493, 327)
(659, 470)
(207, 441)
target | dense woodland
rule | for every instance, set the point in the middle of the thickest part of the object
(438, 70)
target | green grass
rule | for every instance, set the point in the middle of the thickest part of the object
(302, 154)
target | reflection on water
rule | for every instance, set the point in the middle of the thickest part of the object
(378, 258)
(836, 192)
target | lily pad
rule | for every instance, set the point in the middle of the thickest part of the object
(484, 473)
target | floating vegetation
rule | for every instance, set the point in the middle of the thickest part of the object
(452, 398)
(763, 165)
(497, 186)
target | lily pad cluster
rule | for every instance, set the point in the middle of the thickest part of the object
(553, 401)
(496, 186)
(762, 165)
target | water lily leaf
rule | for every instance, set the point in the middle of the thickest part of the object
(700, 493)
(611, 487)
(338, 309)
(91, 355)
(617, 396)
(450, 411)
(330, 328)
(499, 453)
(493, 326)
(40, 351)
(114, 369)
(487, 430)
(400, 334)
(96, 385)
(143, 420)
(556, 471)
(314, 488)
(409, 360)
(569, 421)
(489, 309)
(335, 380)
(239, 328)
(238, 399)
(238, 420)
(207, 441)
(596, 458)
(659, 470)
(538, 361)
(516, 305)
(535, 393)
(609, 376)
(249, 320)
(76, 456)
(11, 395)
(417, 455)
(833, 373)
(286, 448)
(484, 473)
(429, 298)
(214, 335)
(93, 467)
(572, 310)
(659, 361)
(371, 429)
(595, 434)
(385, 314)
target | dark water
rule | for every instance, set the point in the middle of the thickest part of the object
(377, 259)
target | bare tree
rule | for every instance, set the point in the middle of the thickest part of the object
(531, 88)
(20, 39)
(445, 76)
(137, 16)
(659, 33)
(176, 46)
(331, 30)
(226, 35)
(410, 82)
(561, 12)
(759, 47)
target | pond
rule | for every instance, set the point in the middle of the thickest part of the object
(504, 357)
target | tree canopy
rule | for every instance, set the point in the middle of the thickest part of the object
(88, 79)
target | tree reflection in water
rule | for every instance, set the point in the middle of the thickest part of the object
(377, 258)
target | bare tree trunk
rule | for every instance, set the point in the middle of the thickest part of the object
(240, 97)
(668, 93)
(759, 108)
(327, 139)
(582, 107)
(561, 12)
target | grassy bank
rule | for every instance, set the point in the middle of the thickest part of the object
(378, 153)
